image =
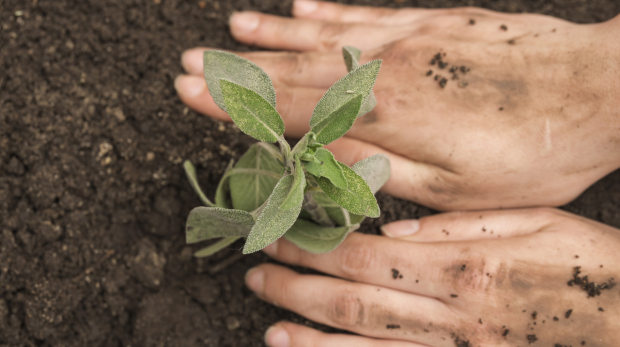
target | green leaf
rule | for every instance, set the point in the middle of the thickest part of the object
(351, 57)
(302, 146)
(357, 82)
(190, 172)
(338, 122)
(351, 60)
(272, 222)
(296, 195)
(335, 212)
(256, 174)
(205, 223)
(216, 247)
(325, 165)
(357, 198)
(222, 194)
(229, 66)
(315, 238)
(375, 170)
(251, 112)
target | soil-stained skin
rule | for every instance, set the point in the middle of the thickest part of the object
(500, 302)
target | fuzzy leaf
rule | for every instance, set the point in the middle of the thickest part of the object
(296, 194)
(254, 177)
(190, 171)
(335, 212)
(357, 82)
(375, 170)
(205, 223)
(351, 57)
(229, 66)
(351, 60)
(251, 112)
(357, 198)
(222, 194)
(338, 122)
(315, 238)
(301, 146)
(273, 222)
(325, 165)
(216, 247)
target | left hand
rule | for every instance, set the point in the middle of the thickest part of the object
(496, 278)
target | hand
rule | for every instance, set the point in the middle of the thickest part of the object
(533, 122)
(463, 279)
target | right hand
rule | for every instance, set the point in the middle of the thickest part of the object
(536, 124)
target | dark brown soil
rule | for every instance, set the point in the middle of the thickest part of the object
(92, 194)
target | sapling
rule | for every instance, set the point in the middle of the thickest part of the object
(303, 193)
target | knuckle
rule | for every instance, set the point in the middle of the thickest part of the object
(293, 64)
(330, 35)
(475, 275)
(356, 258)
(443, 192)
(346, 308)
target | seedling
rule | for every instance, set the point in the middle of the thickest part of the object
(303, 193)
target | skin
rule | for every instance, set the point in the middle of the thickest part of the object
(499, 279)
(451, 148)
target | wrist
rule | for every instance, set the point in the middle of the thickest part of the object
(605, 54)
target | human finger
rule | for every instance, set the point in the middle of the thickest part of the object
(411, 180)
(468, 226)
(295, 105)
(308, 35)
(365, 309)
(311, 69)
(333, 12)
(285, 334)
(395, 264)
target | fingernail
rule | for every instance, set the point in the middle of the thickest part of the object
(189, 86)
(255, 279)
(272, 249)
(243, 22)
(191, 60)
(401, 228)
(277, 337)
(304, 6)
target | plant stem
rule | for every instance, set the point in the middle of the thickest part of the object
(318, 213)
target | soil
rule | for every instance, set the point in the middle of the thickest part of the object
(92, 194)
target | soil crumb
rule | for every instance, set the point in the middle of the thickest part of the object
(396, 274)
(506, 332)
(504, 27)
(531, 339)
(392, 326)
(591, 288)
(568, 313)
(462, 343)
(472, 22)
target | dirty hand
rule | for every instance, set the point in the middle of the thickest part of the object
(469, 279)
(531, 119)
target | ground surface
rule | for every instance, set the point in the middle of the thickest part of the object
(92, 194)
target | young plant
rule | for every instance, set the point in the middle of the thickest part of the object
(303, 193)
